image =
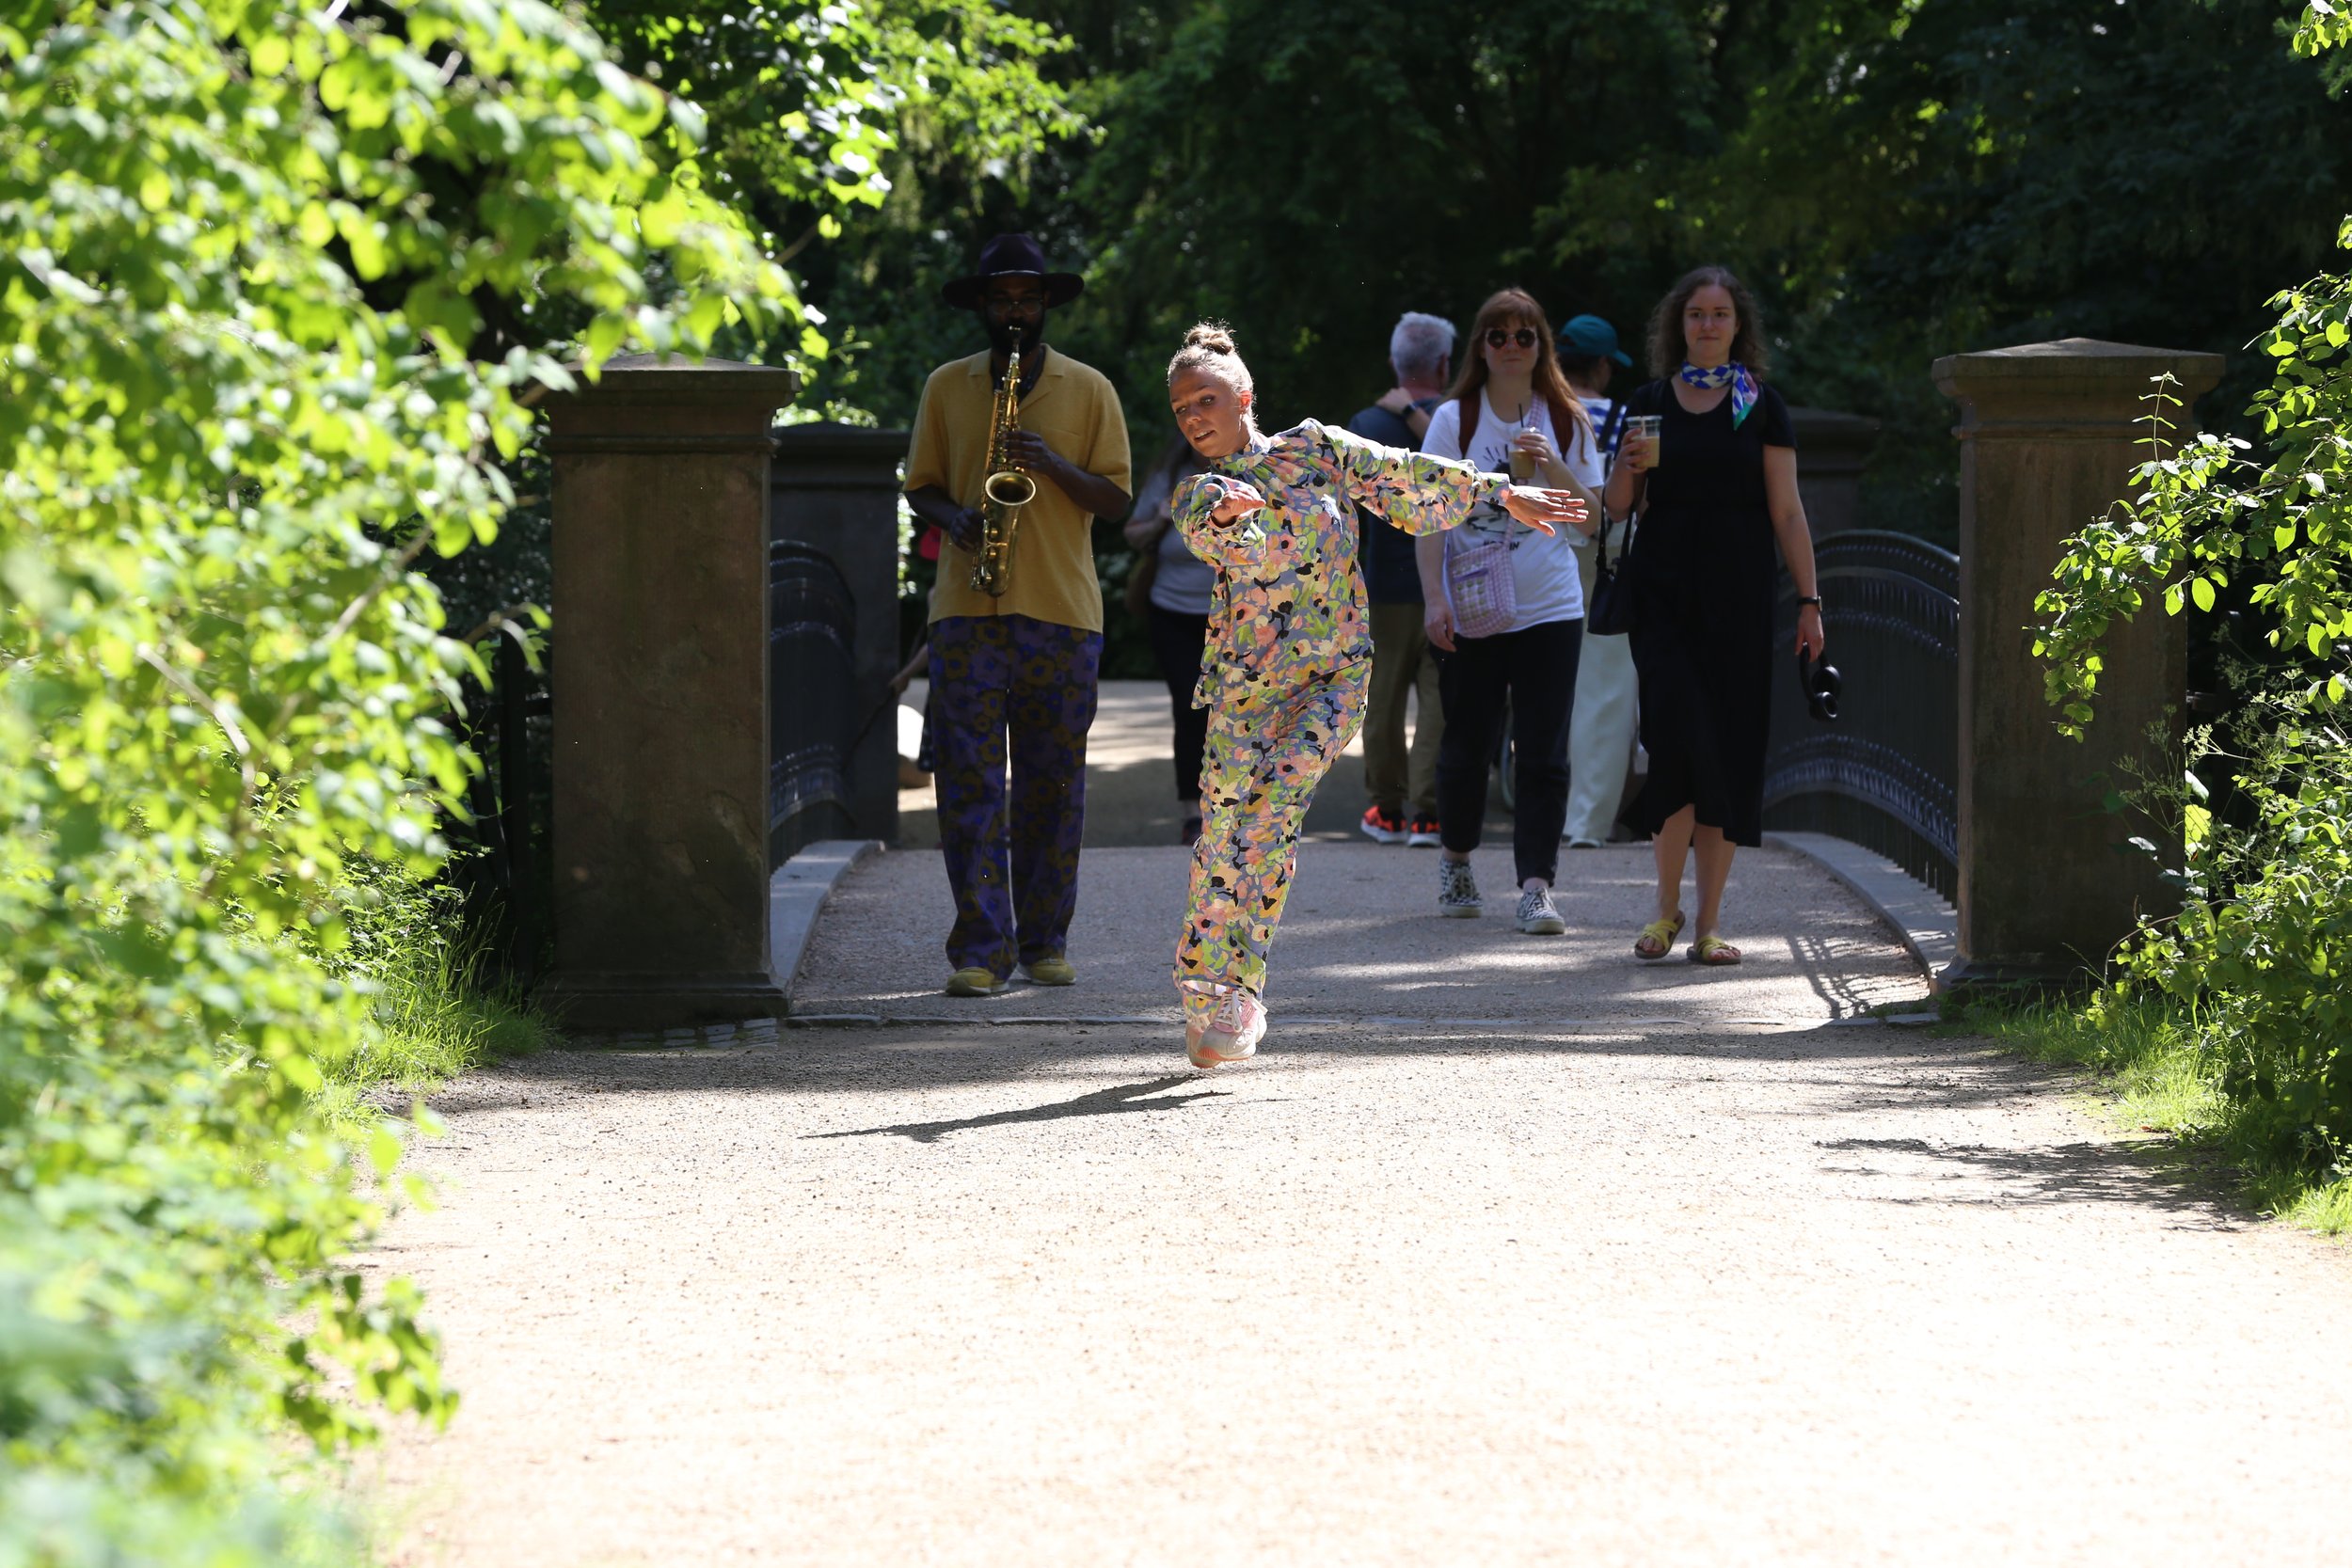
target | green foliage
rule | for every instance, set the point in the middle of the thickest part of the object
(439, 1008)
(2152, 1054)
(276, 278)
(827, 119)
(1898, 182)
(2257, 955)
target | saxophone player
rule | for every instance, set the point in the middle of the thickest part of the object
(1013, 675)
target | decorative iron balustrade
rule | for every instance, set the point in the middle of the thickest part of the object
(812, 630)
(1885, 774)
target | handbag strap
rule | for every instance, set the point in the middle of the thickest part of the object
(1619, 408)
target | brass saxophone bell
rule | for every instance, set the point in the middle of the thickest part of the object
(1010, 488)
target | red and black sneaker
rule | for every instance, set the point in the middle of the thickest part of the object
(1424, 833)
(1383, 827)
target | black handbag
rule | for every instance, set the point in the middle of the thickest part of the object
(1609, 612)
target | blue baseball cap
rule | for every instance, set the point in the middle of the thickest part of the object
(1590, 335)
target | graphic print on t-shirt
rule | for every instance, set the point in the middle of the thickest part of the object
(1546, 579)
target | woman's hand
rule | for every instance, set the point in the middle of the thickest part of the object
(1235, 500)
(1637, 453)
(1436, 619)
(1810, 639)
(1540, 509)
(1537, 445)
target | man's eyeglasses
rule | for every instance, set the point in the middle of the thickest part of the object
(1017, 305)
(1496, 337)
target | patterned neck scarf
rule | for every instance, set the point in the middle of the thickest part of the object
(1739, 377)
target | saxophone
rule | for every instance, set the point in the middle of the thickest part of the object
(1005, 491)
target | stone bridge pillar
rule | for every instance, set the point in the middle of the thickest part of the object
(836, 489)
(661, 683)
(1832, 451)
(2049, 435)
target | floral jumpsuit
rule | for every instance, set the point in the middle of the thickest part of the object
(1288, 659)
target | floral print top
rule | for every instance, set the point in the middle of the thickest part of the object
(1289, 600)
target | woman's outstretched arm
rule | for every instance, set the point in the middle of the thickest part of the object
(1411, 490)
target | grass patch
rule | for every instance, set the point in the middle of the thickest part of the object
(2148, 1058)
(440, 1007)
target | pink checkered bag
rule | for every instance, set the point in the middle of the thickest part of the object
(1480, 587)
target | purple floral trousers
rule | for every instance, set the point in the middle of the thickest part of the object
(1010, 687)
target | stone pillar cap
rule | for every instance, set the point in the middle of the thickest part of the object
(831, 437)
(672, 379)
(1831, 424)
(2031, 367)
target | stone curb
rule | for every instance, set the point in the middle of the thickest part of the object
(1928, 926)
(797, 895)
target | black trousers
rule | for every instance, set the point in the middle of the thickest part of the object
(1535, 670)
(1176, 641)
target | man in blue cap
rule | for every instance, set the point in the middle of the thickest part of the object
(1606, 714)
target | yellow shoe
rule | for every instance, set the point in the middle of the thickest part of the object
(974, 981)
(1050, 972)
(1657, 938)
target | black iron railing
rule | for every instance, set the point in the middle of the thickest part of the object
(501, 839)
(812, 630)
(1885, 774)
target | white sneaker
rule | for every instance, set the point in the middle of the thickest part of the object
(1458, 890)
(1232, 1033)
(1538, 916)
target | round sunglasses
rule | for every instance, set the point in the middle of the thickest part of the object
(1496, 337)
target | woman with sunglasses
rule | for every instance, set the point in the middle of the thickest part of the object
(1715, 476)
(1505, 605)
(1289, 656)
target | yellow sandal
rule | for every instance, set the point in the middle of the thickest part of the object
(1713, 950)
(1660, 933)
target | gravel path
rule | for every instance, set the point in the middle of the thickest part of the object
(1673, 1269)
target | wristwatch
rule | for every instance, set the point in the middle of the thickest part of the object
(1813, 599)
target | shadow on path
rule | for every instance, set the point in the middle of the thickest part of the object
(2142, 1172)
(1102, 1102)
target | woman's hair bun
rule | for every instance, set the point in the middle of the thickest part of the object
(1209, 348)
(1215, 337)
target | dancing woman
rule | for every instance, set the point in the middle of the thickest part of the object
(1289, 651)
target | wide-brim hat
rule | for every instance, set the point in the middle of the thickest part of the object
(1590, 336)
(1012, 256)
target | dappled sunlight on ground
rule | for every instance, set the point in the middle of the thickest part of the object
(1363, 937)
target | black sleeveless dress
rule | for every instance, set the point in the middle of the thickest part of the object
(1705, 574)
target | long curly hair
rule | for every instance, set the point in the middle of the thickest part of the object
(1667, 349)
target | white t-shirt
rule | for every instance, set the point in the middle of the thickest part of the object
(1544, 575)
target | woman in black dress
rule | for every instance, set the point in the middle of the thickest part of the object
(1716, 488)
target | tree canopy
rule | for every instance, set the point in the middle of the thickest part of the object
(1897, 183)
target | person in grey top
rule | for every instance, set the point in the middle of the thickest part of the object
(1176, 616)
(1403, 785)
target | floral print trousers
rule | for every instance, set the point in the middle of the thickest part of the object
(1000, 684)
(1267, 751)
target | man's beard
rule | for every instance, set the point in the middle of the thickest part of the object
(1001, 334)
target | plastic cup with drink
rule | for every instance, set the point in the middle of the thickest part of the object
(1523, 461)
(1646, 427)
